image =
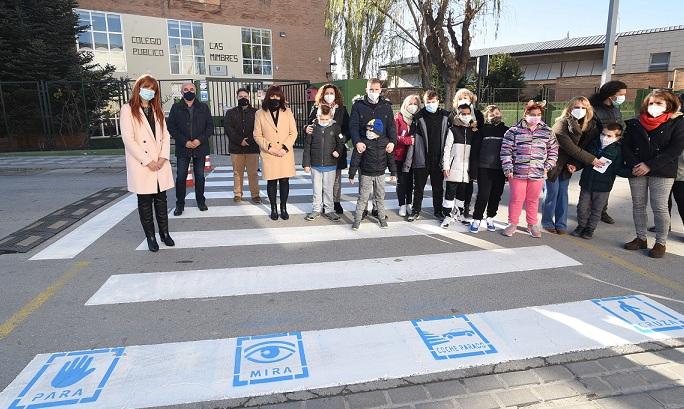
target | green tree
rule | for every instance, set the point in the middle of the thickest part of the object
(504, 72)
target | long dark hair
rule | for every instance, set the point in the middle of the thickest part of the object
(277, 91)
(606, 91)
(147, 81)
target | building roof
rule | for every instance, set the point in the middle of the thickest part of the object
(566, 44)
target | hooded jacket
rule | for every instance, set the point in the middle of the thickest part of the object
(528, 154)
(320, 145)
(342, 118)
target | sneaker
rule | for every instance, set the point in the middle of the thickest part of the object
(338, 208)
(409, 208)
(312, 216)
(510, 230)
(445, 223)
(383, 223)
(534, 231)
(490, 224)
(475, 226)
(587, 233)
(356, 224)
(413, 216)
(578, 231)
(333, 217)
(402, 210)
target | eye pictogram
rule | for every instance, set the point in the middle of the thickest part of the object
(270, 351)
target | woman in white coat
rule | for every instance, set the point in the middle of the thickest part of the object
(148, 170)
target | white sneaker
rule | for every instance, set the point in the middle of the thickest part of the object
(408, 208)
(446, 222)
(402, 210)
(475, 226)
(490, 224)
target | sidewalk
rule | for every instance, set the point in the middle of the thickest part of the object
(81, 162)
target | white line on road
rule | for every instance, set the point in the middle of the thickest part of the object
(227, 282)
(208, 370)
(293, 192)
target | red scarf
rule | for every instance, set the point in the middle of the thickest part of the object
(650, 123)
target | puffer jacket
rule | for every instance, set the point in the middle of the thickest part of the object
(342, 118)
(528, 154)
(572, 143)
(486, 149)
(603, 115)
(320, 145)
(363, 111)
(457, 149)
(404, 139)
(374, 160)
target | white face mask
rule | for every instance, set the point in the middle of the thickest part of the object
(619, 100)
(329, 98)
(412, 109)
(466, 118)
(463, 101)
(432, 107)
(373, 96)
(656, 110)
(607, 140)
(578, 113)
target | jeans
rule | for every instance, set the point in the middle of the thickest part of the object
(182, 163)
(404, 184)
(590, 207)
(659, 188)
(337, 186)
(490, 187)
(242, 161)
(525, 191)
(375, 186)
(323, 183)
(555, 210)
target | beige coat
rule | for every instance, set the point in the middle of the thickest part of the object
(141, 149)
(266, 133)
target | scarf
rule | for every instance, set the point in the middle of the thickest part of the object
(649, 123)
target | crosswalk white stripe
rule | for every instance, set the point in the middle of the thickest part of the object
(207, 370)
(248, 209)
(293, 192)
(227, 282)
(310, 234)
(293, 181)
(73, 243)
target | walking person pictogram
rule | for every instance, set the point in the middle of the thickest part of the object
(636, 311)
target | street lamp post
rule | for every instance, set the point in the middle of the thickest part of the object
(609, 49)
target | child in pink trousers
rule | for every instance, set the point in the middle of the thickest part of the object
(528, 151)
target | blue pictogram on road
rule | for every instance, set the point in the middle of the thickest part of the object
(69, 378)
(269, 358)
(452, 337)
(645, 316)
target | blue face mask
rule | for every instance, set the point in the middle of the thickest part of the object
(146, 94)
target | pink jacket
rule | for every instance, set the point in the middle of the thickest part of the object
(141, 149)
(404, 140)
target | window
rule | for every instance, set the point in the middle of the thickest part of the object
(659, 62)
(256, 51)
(186, 47)
(103, 37)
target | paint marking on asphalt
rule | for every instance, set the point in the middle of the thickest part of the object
(228, 282)
(293, 192)
(20, 316)
(248, 366)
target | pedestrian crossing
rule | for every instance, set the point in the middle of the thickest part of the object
(249, 365)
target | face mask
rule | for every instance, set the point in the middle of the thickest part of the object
(494, 120)
(607, 140)
(656, 110)
(412, 109)
(373, 96)
(532, 120)
(243, 102)
(146, 94)
(329, 98)
(274, 104)
(432, 107)
(372, 135)
(324, 122)
(463, 101)
(619, 100)
(188, 96)
(466, 118)
(578, 113)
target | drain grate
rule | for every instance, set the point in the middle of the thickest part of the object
(22, 241)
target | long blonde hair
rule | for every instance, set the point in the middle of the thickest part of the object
(586, 104)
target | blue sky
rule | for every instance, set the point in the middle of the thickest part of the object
(527, 21)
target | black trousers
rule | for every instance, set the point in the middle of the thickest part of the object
(404, 184)
(490, 187)
(272, 190)
(678, 194)
(182, 163)
(420, 177)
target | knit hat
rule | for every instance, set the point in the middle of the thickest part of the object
(376, 126)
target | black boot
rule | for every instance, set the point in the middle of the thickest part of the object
(161, 212)
(147, 221)
(284, 194)
(283, 211)
(274, 211)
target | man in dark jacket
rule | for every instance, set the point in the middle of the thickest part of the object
(244, 151)
(430, 127)
(191, 125)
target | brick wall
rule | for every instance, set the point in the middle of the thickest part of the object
(303, 54)
(568, 87)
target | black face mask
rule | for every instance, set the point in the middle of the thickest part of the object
(274, 104)
(243, 102)
(188, 96)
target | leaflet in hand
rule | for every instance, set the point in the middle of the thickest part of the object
(602, 169)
